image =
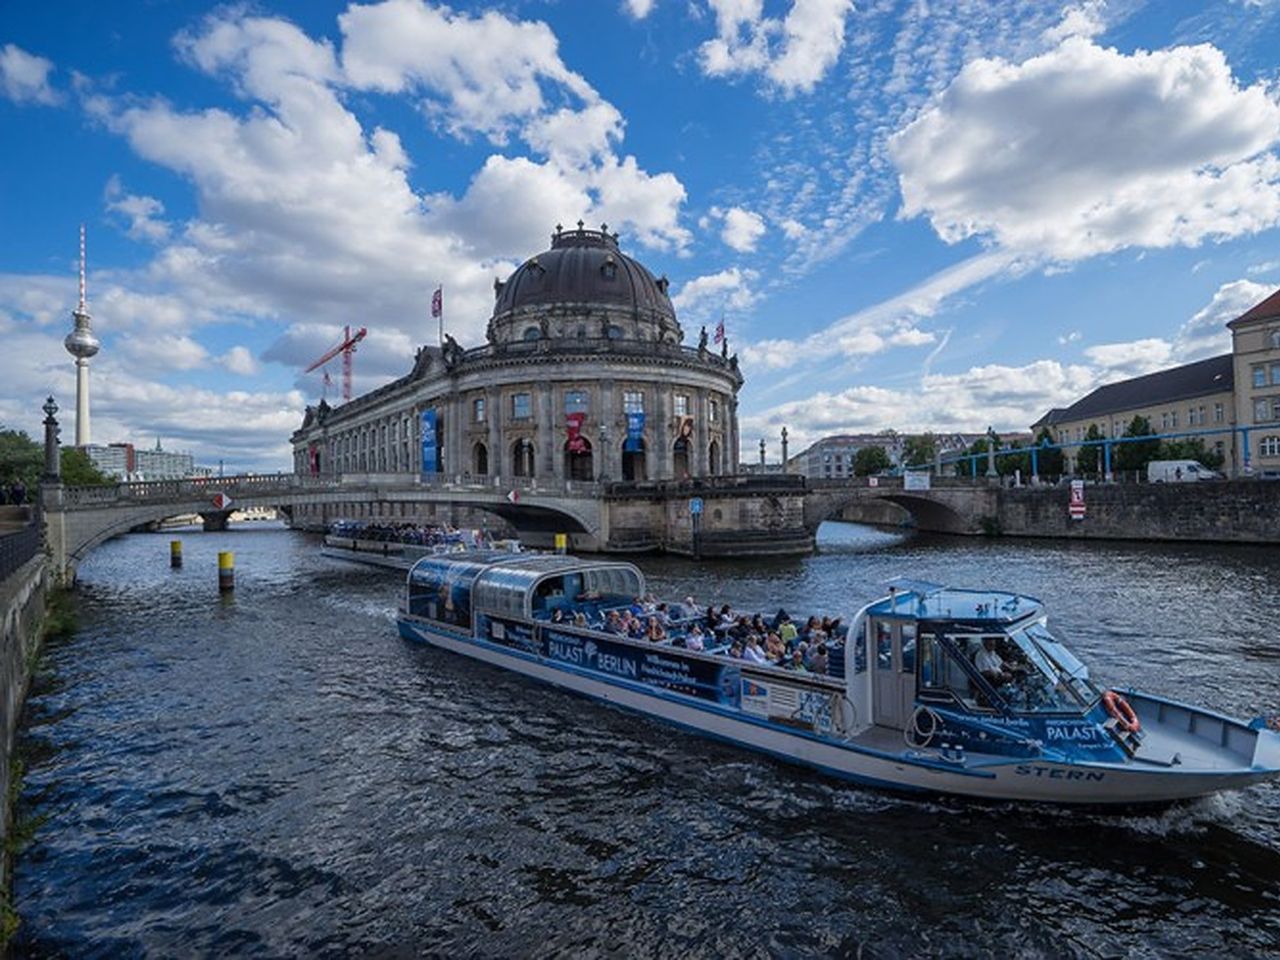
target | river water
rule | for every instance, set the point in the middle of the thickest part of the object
(279, 774)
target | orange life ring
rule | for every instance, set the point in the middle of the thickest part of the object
(1119, 708)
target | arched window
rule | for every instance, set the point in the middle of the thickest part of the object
(532, 333)
(480, 460)
(680, 458)
(609, 269)
(713, 458)
(1275, 339)
(522, 458)
(579, 463)
(633, 462)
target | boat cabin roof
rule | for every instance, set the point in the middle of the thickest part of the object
(920, 600)
(520, 584)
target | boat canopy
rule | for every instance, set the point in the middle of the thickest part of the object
(447, 589)
(920, 600)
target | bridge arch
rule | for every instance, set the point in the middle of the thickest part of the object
(929, 513)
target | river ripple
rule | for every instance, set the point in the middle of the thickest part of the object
(278, 774)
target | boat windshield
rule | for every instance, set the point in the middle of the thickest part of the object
(1044, 676)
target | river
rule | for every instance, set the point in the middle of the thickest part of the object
(277, 773)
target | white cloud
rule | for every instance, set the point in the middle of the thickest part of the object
(1087, 19)
(24, 77)
(742, 229)
(793, 53)
(639, 9)
(1133, 358)
(989, 395)
(1206, 333)
(141, 212)
(1066, 338)
(161, 354)
(886, 324)
(239, 360)
(708, 296)
(1085, 150)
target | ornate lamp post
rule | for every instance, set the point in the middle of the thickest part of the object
(762, 454)
(52, 461)
(784, 449)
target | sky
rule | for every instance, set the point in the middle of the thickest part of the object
(911, 215)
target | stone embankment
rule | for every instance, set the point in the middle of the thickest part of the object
(24, 589)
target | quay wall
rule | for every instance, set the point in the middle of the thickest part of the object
(1227, 511)
(23, 595)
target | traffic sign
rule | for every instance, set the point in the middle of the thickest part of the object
(695, 505)
(1076, 508)
(221, 501)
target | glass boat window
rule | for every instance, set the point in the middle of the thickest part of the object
(884, 646)
(908, 648)
(1033, 680)
(942, 675)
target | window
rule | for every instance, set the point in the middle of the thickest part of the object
(1259, 376)
(1269, 447)
(1173, 419)
(477, 409)
(576, 401)
(682, 405)
(1164, 421)
(1261, 410)
(1217, 413)
(713, 410)
(1275, 374)
(614, 333)
(632, 401)
(532, 333)
(521, 406)
(609, 269)
(1275, 339)
(1191, 416)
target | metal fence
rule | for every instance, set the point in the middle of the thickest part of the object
(17, 548)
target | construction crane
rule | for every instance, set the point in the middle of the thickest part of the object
(347, 347)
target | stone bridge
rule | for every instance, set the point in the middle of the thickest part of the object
(77, 519)
(950, 505)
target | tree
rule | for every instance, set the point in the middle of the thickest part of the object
(1191, 448)
(1087, 458)
(919, 451)
(79, 471)
(869, 460)
(20, 458)
(1136, 455)
(975, 468)
(1049, 462)
(1009, 463)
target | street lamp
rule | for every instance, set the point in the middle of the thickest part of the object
(52, 461)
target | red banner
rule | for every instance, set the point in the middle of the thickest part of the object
(573, 427)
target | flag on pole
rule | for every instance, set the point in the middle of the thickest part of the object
(720, 330)
(437, 302)
(513, 496)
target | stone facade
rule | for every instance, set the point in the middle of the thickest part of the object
(583, 378)
(1256, 352)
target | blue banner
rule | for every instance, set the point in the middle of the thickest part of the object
(635, 433)
(430, 454)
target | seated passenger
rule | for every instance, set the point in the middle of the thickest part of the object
(613, 624)
(752, 652)
(693, 639)
(820, 662)
(655, 632)
(774, 647)
(787, 631)
(735, 651)
(992, 666)
(797, 663)
(557, 615)
(636, 628)
(579, 619)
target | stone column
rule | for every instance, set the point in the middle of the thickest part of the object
(657, 454)
(607, 460)
(493, 416)
(548, 465)
(52, 457)
(701, 433)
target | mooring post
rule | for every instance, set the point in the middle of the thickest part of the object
(175, 554)
(226, 571)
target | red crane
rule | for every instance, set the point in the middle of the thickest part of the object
(347, 347)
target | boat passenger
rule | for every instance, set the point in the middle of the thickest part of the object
(636, 628)
(993, 666)
(820, 662)
(774, 648)
(557, 615)
(613, 624)
(797, 663)
(752, 652)
(655, 632)
(579, 619)
(735, 651)
(693, 639)
(787, 631)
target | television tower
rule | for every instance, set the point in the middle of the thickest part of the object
(82, 344)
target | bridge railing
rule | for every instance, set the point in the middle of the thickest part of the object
(17, 548)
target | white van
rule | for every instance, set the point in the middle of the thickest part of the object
(1179, 471)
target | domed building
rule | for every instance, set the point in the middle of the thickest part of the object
(584, 377)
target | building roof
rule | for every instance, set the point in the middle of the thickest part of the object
(583, 271)
(1266, 310)
(1214, 375)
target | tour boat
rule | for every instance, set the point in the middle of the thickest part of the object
(388, 545)
(931, 689)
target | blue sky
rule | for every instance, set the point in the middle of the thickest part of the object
(940, 215)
